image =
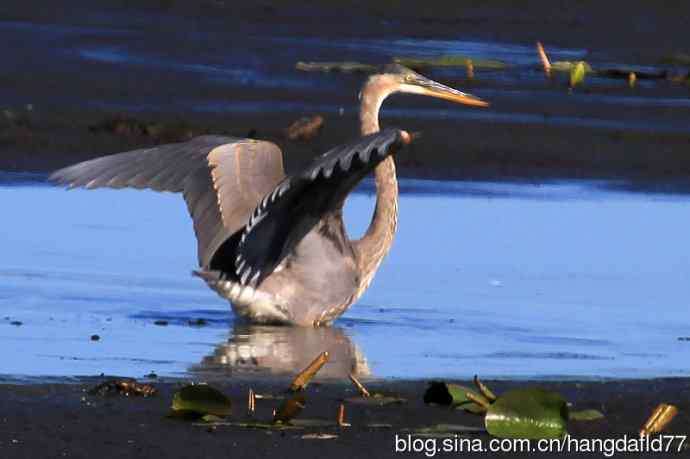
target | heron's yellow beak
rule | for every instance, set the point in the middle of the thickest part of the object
(455, 96)
(426, 87)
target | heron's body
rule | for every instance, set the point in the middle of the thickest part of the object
(276, 246)
(295, 292)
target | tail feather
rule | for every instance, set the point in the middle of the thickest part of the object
(210, 277)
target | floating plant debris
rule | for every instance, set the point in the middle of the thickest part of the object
(305, 128)
(124, 387)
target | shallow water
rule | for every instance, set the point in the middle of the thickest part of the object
(504, 280)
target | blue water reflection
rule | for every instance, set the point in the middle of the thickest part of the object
(505, 280)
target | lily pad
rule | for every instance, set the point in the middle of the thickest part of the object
(289, 409)
(568, 66)
(530, 412)
(201, 399)
(443, 393)
(344, 67)
(585, 415)
(577, 74)
(451, 61)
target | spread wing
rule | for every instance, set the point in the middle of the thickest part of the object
(286, 214)
(221, 178)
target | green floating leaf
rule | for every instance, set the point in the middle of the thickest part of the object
(577, 74)
(201, 399)
(290, 408)
(344, 67)
(531, 412)
(442, 393)
(586, 415)
(451, 61)
(568, 66)
(211, 418)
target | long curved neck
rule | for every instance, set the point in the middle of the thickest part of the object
(377, 241)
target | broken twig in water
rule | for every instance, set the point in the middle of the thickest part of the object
(305, 128)
(289, 409)
(544, 59)
(481, 401)
(268, 397)
(251, 403)
(318, 436)
(341, 417)
(660, 418)
(303, 378)
(360, 387)
(485, 391)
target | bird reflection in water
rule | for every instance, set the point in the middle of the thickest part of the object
(275, 350)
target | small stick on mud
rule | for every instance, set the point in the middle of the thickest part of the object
(485, 391)
(360, 387)
(251, 403)
(302, 379)
(544, 59)
(660, 418)
(305, 128)
(341, 417)
(478, 400)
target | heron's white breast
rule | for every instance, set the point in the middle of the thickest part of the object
(249, 302)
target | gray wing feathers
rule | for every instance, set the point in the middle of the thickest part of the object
(222, 180)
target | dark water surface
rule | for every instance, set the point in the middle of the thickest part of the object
(504, 280)
(202, 66)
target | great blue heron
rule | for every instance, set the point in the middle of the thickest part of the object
(276, 245)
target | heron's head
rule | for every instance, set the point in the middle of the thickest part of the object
(397, 78)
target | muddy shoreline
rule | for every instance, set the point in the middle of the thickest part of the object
(653, 161)
(63, 420)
